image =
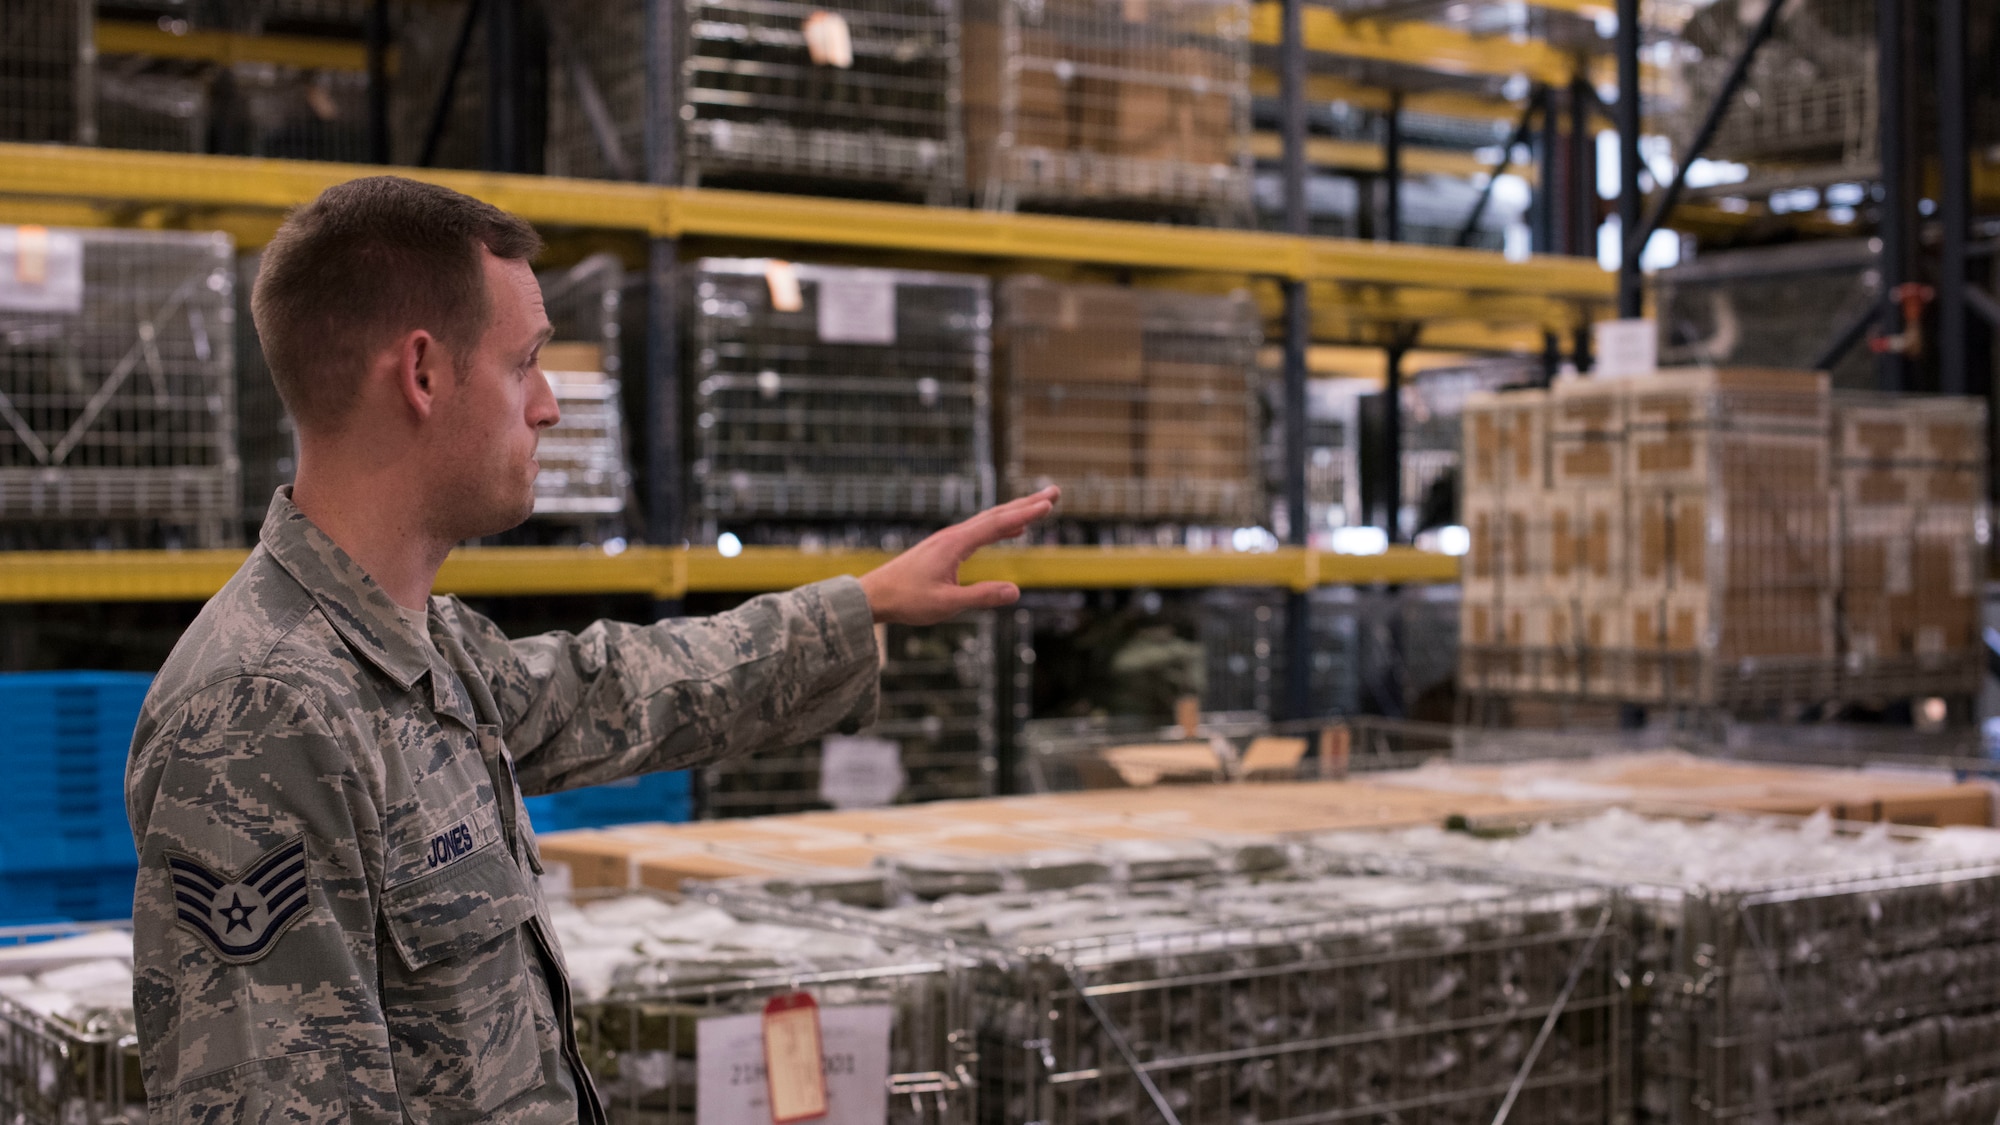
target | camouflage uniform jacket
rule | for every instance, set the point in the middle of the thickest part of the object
(337, 916)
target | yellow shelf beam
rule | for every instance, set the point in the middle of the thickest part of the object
(662, 572)
(1329, 88)
(1421, 46)
(227, 48)
(1366, 156)
(67, 175)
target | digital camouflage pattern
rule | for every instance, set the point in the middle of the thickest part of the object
(418, 978)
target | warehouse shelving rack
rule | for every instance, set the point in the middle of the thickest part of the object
(1408, 58)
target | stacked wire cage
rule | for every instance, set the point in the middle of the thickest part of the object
(690, 980)
(1867, 991)
(300, 110)
(267, 440)
(1776, 306)
(45, 72)
(850, 407)
(837, 405)
(1141, 404)
(859, 97)
(57, 1069)
(584, 486)
(1810, 99)
(933, 737)
(1093, 104)
(117, 414)
(1206, 986)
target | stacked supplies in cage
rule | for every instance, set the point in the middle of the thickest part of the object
(860, 95)
(1658, 539)
(1794, 971)
(1139, 403)
(1911, 478)
(1194, 981)
(831, 402)
(117, 423)
(933, 737)
(1075, 103)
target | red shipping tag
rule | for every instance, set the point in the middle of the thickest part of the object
(794, 1063)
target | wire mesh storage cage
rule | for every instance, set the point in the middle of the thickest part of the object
(45, 72)
(63, 1062)
(1080, 103)
(675, 1037)
(1241, 633)
(1333, 992)
(1788, 971)
(1777, 306)
(1141, 404)
(117, 419)
(266, 439)
(584, 479)
(933, 737)
(828, 399)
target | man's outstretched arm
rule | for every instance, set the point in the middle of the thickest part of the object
(618, 700)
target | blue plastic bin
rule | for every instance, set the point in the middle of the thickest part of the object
(63, 748)
(654, 797)
(86, 895)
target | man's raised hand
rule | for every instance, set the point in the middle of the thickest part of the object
(920, 586)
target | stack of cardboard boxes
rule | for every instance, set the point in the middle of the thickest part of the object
(1680, 538)
(1911, 483)
(1100, 100)
(1139, 403)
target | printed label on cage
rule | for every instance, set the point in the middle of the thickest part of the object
(794, 1064)
(859, 771)
(783, 280)
(41, 270)
(828, 40)
(1625, 347)
(734, 1086)
(858, 307)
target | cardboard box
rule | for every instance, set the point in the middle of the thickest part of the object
(1073, 334)
(1652, 559)
(1076, 432)
(1522, 542)
(668, 871)
(1481, 570)
(1740, 399)
(1549, 646)
(1604, 539)
(1782, 625)
(1483, 445)
(593, 860)
(1177, 108)
(1699, 458)
(1586, 428)
(1506, 441)
(1196, 422)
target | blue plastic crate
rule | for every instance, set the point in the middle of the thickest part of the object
(654, 797)
(87, 895)
(63, 751)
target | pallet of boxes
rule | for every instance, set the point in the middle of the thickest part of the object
(1911, 482)
(1663, 540)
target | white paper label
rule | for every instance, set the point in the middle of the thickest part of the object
(860, 772)
(857, 307)
(732, 1088)
(41, 270)
(1625, 347)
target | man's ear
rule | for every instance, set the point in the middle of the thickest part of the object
(421, 367)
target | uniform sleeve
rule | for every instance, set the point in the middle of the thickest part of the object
(254, 922)
(619, 700)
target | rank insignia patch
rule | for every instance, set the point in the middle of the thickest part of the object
(241, 918)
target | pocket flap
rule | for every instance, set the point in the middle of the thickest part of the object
(454, 911)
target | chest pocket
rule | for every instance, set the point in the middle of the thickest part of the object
(456, 993)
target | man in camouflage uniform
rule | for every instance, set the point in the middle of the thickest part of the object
(338, 916)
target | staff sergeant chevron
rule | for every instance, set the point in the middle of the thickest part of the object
(242, 918)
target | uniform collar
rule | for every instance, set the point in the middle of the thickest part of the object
(361, 611)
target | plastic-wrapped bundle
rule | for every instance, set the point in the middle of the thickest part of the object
(68, 1046)
(1323, 992)
(1795, 971)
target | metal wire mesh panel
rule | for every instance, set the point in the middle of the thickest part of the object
(66, 1071)
(933, 737)
(864, 92)
(1773, 307)
(117, 419)
(644, 1035)
(267, 441)
(861, 395)
(584, 477)
(44, 72)
(1141, 404)
(1241, 633)
(425, 34)
(1078, 102)
(1791, 972)
(1328, 994)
